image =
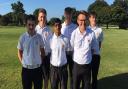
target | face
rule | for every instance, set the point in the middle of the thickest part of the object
(30, 25)
(67, 16)
(81, 20)
(92, 20)
(42, 18)
(57, 27)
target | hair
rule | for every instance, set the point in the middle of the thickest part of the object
(68, 10)
(42, 10)
(92, 14)
(55, 20)
(30, 17)
(82, 12)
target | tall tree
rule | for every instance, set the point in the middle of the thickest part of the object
(120, 12)
(102, 10)
(18, 12)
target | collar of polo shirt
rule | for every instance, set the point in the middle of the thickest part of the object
(93, 28)
(57, 36)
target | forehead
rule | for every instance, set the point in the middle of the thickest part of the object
(81, 16)
(42, 14)
(57, 23)
(92, 16)
(30, 22)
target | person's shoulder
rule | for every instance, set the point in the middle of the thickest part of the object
(89, 30)
(99, 29)
(23, 36)
(75, 30)
(37, 27)
(65, 38)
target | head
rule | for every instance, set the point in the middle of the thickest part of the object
(42, 16)
(92, 18)
(30, 22)
(82, 18)
(68, 13)
(56, 25)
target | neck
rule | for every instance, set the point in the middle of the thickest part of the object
(67, 22)
(57, 34)
(42, 25)
(92, 25)
(31, 33)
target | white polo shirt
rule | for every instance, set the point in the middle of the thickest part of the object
(31, 48)
(46, 34)
(67, 30)
(58, 46)
(82, 45)
(98, 33)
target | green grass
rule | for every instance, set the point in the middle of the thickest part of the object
(113, 72)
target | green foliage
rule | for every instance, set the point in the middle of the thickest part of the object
(18, 13)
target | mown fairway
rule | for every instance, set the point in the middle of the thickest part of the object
(114, 63)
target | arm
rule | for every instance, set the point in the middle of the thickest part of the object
(42, 53)
(94, 45)
(20, 49)
(20, 55)
(101, 39)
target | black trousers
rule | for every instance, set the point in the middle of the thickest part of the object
(94, 70)
(59, 75)
(70, 68)
(32, 76)
(81, 73)
(46, 67)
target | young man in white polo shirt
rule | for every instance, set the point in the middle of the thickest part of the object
(46, 34)
(67, 28)
(31, 53)
(84, 43)
(59, 45)
(96, 57)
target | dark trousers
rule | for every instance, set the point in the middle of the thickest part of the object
(81, 73)
(46, 70)
(59, 75)
(70, 66)
(32, 76)
(94, 70)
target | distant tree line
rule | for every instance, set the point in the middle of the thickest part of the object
(115, 14)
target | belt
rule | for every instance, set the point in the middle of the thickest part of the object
(59, 67)
(31, 66)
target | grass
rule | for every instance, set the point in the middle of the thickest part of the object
(113, 72)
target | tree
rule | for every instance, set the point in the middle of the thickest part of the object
(102, 10)
(119, 12)
(35, 13)
(4, 20)
(18, 12)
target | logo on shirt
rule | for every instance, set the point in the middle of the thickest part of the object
(46, 34)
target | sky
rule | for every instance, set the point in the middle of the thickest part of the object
(55, 8)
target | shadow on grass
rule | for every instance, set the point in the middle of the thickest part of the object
(119, 81)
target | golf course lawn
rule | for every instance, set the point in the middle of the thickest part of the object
(113, 73)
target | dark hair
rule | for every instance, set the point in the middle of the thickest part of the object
(92, 14)
(68, 10)
(30, 17)
(42, 10)
(82, 12)
(55, 20)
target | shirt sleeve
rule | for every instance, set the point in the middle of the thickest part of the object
(20, 43)
(67, 44)
(72, 39)
(94, 44)
(101, 37)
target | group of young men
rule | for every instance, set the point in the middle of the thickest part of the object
(72, 49)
